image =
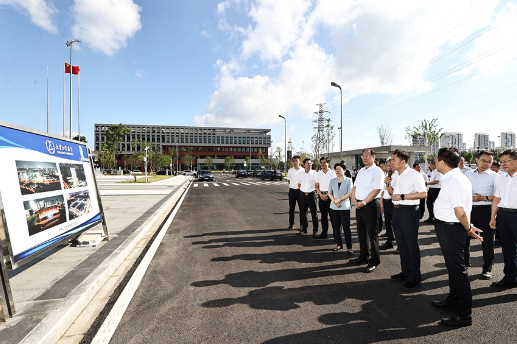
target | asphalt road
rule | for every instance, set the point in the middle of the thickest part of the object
(228, 271)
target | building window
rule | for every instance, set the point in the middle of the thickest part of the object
(247, 149)
(218, 139)
(268, 141)
(227, 140)
(260, 140)
(200, 139)
(248, 140)
(218, 149)
(209, 139)
(182, 139)
(256, 140)
(191, 139)
(163, 138)
(240, 140)
(96, 146)
(204, 139)
(149, 138)
(195, 149)
(231, 149)
(231, 140)
(195, 139)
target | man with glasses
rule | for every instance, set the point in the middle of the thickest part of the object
(323, 178)
(434, 189)
(307, 185)
(365, 197)
(483, 181)
(504, 217)
(294, 190)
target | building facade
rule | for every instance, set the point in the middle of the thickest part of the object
(216, 142)
(453, 139)
(481, 141)
(508, 140)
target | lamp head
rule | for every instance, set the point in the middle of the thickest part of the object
(334, 84)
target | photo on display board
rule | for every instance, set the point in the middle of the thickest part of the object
(44, 213)
(73, 175)
(37, 177)
(79, 204)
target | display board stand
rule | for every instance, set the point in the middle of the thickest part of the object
(101, 208)
(7, 309)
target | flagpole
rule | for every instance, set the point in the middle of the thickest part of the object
(64, 118)
(70, 43)
(79, 104)
(47, 99)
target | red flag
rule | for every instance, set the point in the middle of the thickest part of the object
(75, 69)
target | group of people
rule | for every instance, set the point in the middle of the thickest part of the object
(462, 203)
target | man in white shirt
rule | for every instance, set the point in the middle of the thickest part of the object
(323, 178)
(406, 189)
(416, 167)
(365, 197)
(307, 185)
(483, 181)
(294, 190)
(387, 209)
(462, 166)
(496, 167)
(452, 226)
(434, 189)
(504, 217)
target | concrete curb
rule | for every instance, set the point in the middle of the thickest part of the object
(55, 324)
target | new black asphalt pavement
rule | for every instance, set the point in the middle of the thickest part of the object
(228, 271)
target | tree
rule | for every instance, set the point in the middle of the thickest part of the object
(209, 161)
(426, 134)
(114, 135)
(468, 157)
(187, 159)
(385, 135)
(329, 135)
(106, 157)
(173, 154)
(162, 160)
(83, 139)
(229, 161)
(262, 158)
(248, 161)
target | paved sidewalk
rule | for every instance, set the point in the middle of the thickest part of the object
(42, 284)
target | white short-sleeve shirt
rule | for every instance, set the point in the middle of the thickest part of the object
(323, 179)
(456, 192)
(408, 182)
(482, 183)
(307, 180)
(385, 193)
(506, 189)
(369, 179)
(435, 175)
(292, 177)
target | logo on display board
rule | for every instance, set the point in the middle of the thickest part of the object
(50, 147)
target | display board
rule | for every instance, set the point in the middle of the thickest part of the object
(47, 190)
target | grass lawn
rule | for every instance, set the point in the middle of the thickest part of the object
(152, 178)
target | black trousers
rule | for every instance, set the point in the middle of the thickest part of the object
(452, 242)
(326, 212)
(422, 207)
(308, 202)
(381, 221)
(367, 225)
(388, 218)
(342, 220)
(506, 223)
(432, 195)
(294, 197)
(480, 218)
(406, 221)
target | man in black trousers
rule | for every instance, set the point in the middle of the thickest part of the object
(504, 217)
(294, 190)
(434, 189)
(365, 197)
(406, 188)
(307, 185)
(387, 208)
(452, 225)
(416, 167)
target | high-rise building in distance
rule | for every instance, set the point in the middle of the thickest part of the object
(508, 140)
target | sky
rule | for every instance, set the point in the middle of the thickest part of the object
(242, 63)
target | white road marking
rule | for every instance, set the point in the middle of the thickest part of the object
(244, 183)
(215, 184)
(195, 185)
(225, 184)
(205, 184)
(236, 184)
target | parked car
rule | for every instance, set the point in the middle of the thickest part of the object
(241, 173)
(136, 172)
(189, 173)
(161, 173)
(257, 173)
(250, 173)
(270, 174)
(205, 175)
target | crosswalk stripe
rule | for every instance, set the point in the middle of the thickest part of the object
(215, 184)
(236, 184)
(205, 184)
(244, 183)
(225, 184)
(195, 185)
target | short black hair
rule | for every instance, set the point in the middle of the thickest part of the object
(305, 160)
(372, 152)
(496, 163)
(296, 157)
(450, 156)
(512, 153)
(432, 162)
(401, 154)
(327, 159)
(342, 164)
(485, 152)
(416, 164)
(382, 161)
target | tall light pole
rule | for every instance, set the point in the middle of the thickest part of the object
(285, 141)
(69, 44)
(145, 162)
(340, 134)
(340, 141)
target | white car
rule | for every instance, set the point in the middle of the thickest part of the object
(189, 173)
(136, 172)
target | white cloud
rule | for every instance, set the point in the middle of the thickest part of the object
(204, 33)
(222, 6)
(106, 25)
(41, 12)
(140, 73)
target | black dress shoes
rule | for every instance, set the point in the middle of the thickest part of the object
(412, 285)
(290, 227)
(302, 232)
(370, 269)
(387, 245)
(504, 284)
(399, 277)
(359, 260)
(320, 236)
(486, 275)
(442, 304)
(456, 320)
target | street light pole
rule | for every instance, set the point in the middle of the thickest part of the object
(285, 142)
(340, 133)
(145, 162)
(69, 44)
